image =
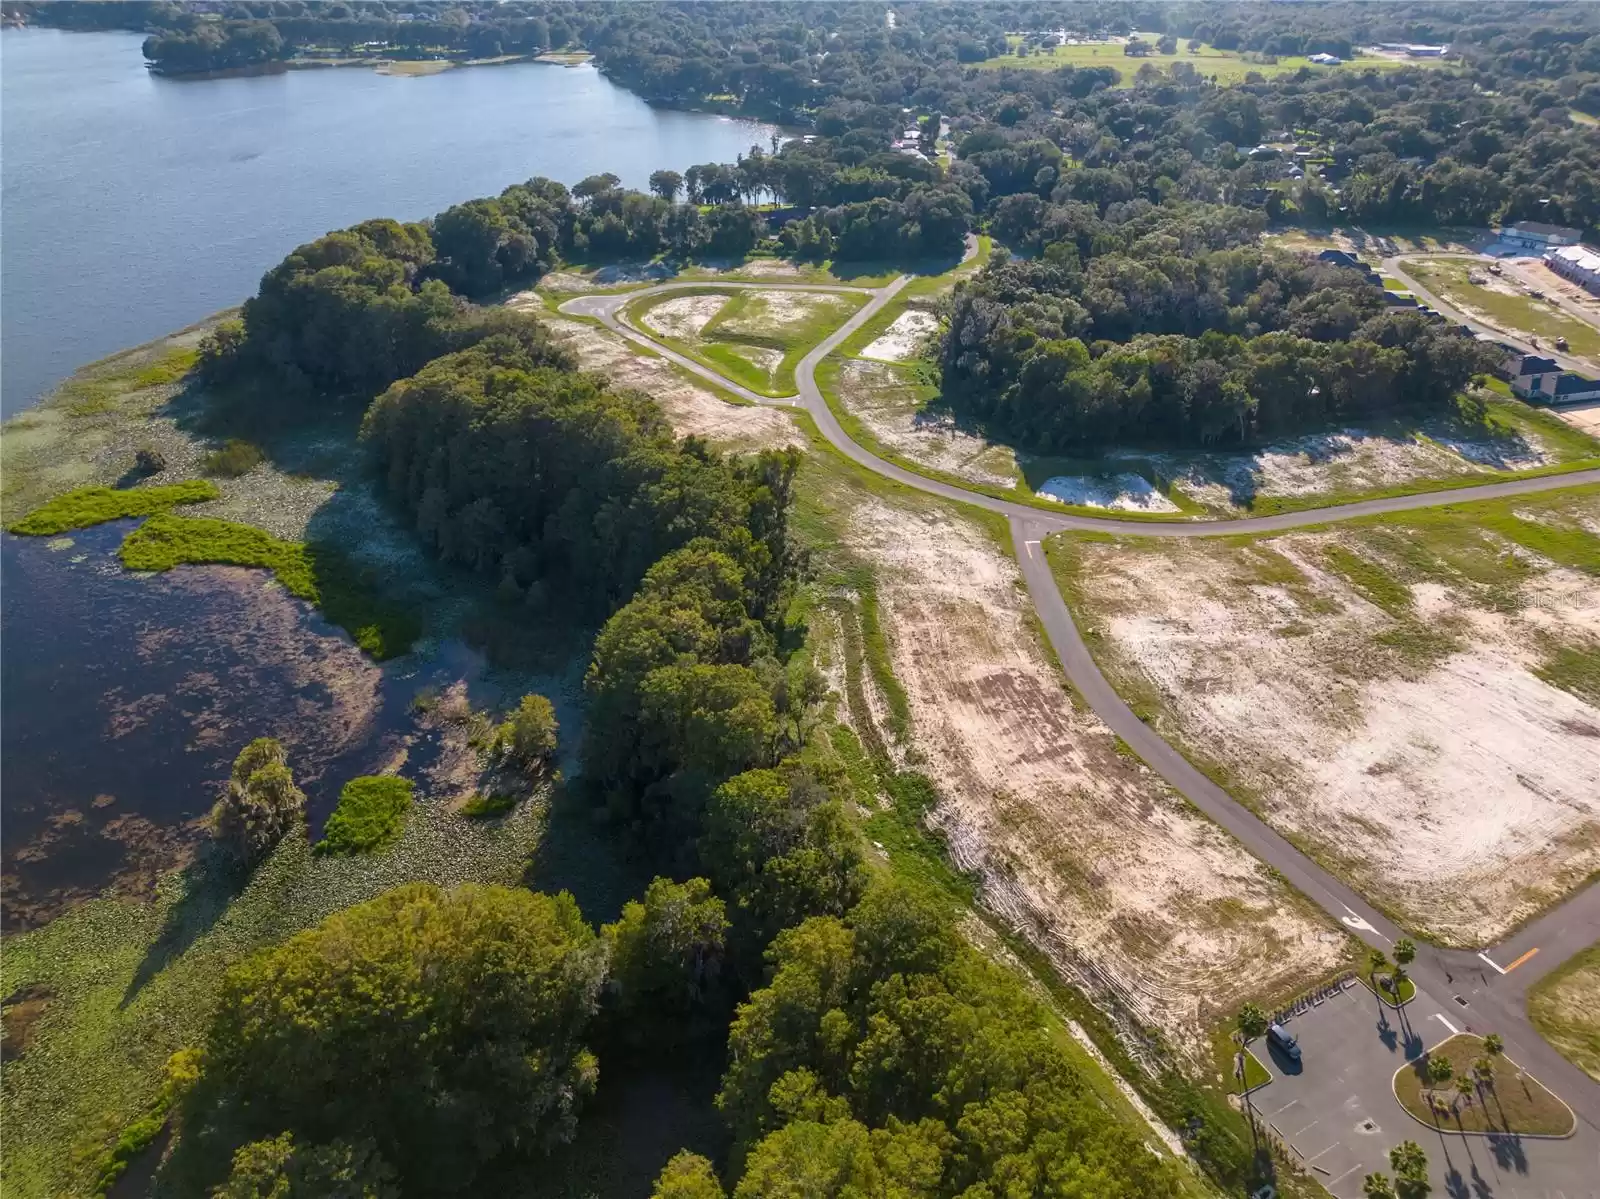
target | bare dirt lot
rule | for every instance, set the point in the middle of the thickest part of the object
(1416, 701)
(903, 337)
(1079, 845)
(892, 408)
(682, 317)
(691, 409)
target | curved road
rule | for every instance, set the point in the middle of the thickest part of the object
(1493, 997)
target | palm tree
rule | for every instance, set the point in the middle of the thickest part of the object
(1440, 1070)
(1483, 1071)
(1377, 1186)
(1464, 1088)
(1404, 954)
(1410, 1166)
(1493, 1045)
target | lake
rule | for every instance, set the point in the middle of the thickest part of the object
(134, 205)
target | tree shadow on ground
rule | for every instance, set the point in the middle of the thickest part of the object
(209, 884)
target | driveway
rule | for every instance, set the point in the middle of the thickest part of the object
(1338, 1113)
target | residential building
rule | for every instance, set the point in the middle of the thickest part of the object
(1578, 263)
(1326, 60)
(1564, 388)
(1538, 237)
(1527, 373)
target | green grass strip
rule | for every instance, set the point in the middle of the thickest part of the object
(371, 815)
(95, 505)
(317, 573)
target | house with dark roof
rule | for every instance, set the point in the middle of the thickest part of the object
(1566, 388)
(1527, 372)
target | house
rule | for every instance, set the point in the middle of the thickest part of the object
(1538, 237)
(1564, 388)
(1527, 372)
(1339, 258)
(1578, 263)
(1415, 51)
(1399, 299)
(1326, 60)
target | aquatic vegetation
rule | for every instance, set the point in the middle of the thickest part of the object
(314, 571)
(235, 458)
(371, 815)
(95, 505)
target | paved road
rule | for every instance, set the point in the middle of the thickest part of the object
(1494, 1000)
(1396, 266)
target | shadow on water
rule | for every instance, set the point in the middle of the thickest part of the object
(210, 883)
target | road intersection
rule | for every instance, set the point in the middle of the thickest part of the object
(1486, 991)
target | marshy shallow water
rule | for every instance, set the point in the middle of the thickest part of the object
(126, 698)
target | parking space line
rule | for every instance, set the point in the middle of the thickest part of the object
(1439, 1016)
(1306, 1129)
(1329, 1149)
(1333, 1182)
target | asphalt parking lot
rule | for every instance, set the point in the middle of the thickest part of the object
(1337, 1111)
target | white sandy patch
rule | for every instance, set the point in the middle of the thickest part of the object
(780, 313)
(1467, 795)
(902, 338)
(1084, 850)
(1125, 492)
(892, 411)
(682, 317)
(691, 409)
(1347, 461)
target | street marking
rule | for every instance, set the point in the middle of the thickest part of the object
(1030, 545)
(1491, 963)
(1356, 922)
(1520, 960)
(1439, 1016)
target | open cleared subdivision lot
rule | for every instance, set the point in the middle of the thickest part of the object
(1502, 301)
(1077, 844)
(691, 407)
(1565, 1008)
(892, 409)
(1415, 699)
(752, 336)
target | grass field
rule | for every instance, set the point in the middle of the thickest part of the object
(1512, 1102)
(1502, 305)
(1565, 1008)
(1223, 66)
(753, 337)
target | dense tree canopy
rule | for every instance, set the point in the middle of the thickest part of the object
(447, 1027)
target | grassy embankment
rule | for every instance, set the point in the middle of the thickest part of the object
(745, 341)
(1508, 1103)
(1565, 1007)
(1224, 66)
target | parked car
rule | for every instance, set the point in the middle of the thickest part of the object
(1561, 343)
(1285, 1040)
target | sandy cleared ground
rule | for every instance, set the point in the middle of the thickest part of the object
(1566, 1008)
(691, 409)
(902, 338)
(1413, 747)
(1124, 492)
(783, 314)
(1349, 461)
(682, 317)
(1582, 416)
(1081, 847)
(892, 409)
